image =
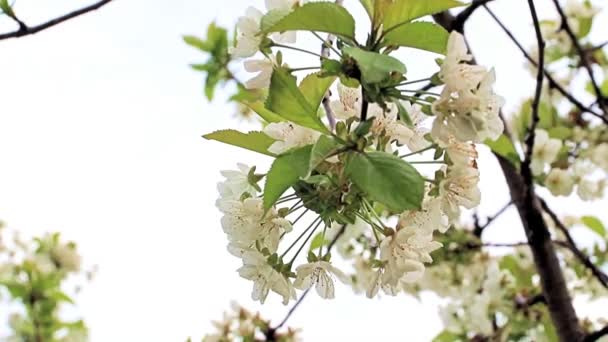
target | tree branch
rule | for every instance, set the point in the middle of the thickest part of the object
(461, 18)
(552, 82)
(571, 244)
(547, 264)
(25, 30)
(594, 336)
(526, 172)
(478, 230)
(581, 52)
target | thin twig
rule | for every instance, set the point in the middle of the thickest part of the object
(571, 244)
(25, 30)
(581, 52)
(552, 82)
(478, 230)
(325, 52)
(530, 139)
(305, 293)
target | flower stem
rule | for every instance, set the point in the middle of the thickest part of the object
(419, 151)
(304, 68)
(428, 162)
(297, 49)
(301, 235)
(413, 82)
(305, 242)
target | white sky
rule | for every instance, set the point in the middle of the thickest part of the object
(100, 125)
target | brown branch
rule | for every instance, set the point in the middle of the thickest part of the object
(25, 30)
(479, 228)
(581, 52)
(461, 18)
(571, 244)
(553, 284)
(594, 336)
(552, 82)
(526, 171)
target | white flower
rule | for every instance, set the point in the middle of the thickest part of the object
(454, 73)
(459, 188)
(387, 123)
(265, 278)
(236, 184)
(348, 104)
(249, 28)
(489, 108)
(405, 254)
(545, 151)
(417, 141)
(427, 219)
(264, 68)
(580, 9)
(246, 222)
(589, 190)
(460, 153)
(249, 37)
(319, 274)
(551, 31)
(66, 256)
(43, 263)
(469, 115)
(289, 136)
(559, 182)
(599, 156)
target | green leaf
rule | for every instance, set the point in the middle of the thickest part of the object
(560, 132)
(403, 11)
(321, 150)
(550, 332)
(503, 146)
(387, 179)
(286, 170)
(318, 241)
(419, 35)
(6, 8)
(253, 141)
(267, 115)
(196, 42)
(318, 16)
(510, 263)
(286, 99)
(59, 296)
(447, 336)
(314, 88)
(595, 225)
(273, 17)
(584, 27)
(216, 42)
(369, 7)
(375, 67)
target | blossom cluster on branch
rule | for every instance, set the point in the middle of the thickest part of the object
(367, 162)
(34, 278)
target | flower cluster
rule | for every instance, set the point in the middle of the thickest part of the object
(353, 178)
(242, 325)
(34, 273)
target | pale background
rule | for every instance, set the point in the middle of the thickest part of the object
(100, 138)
